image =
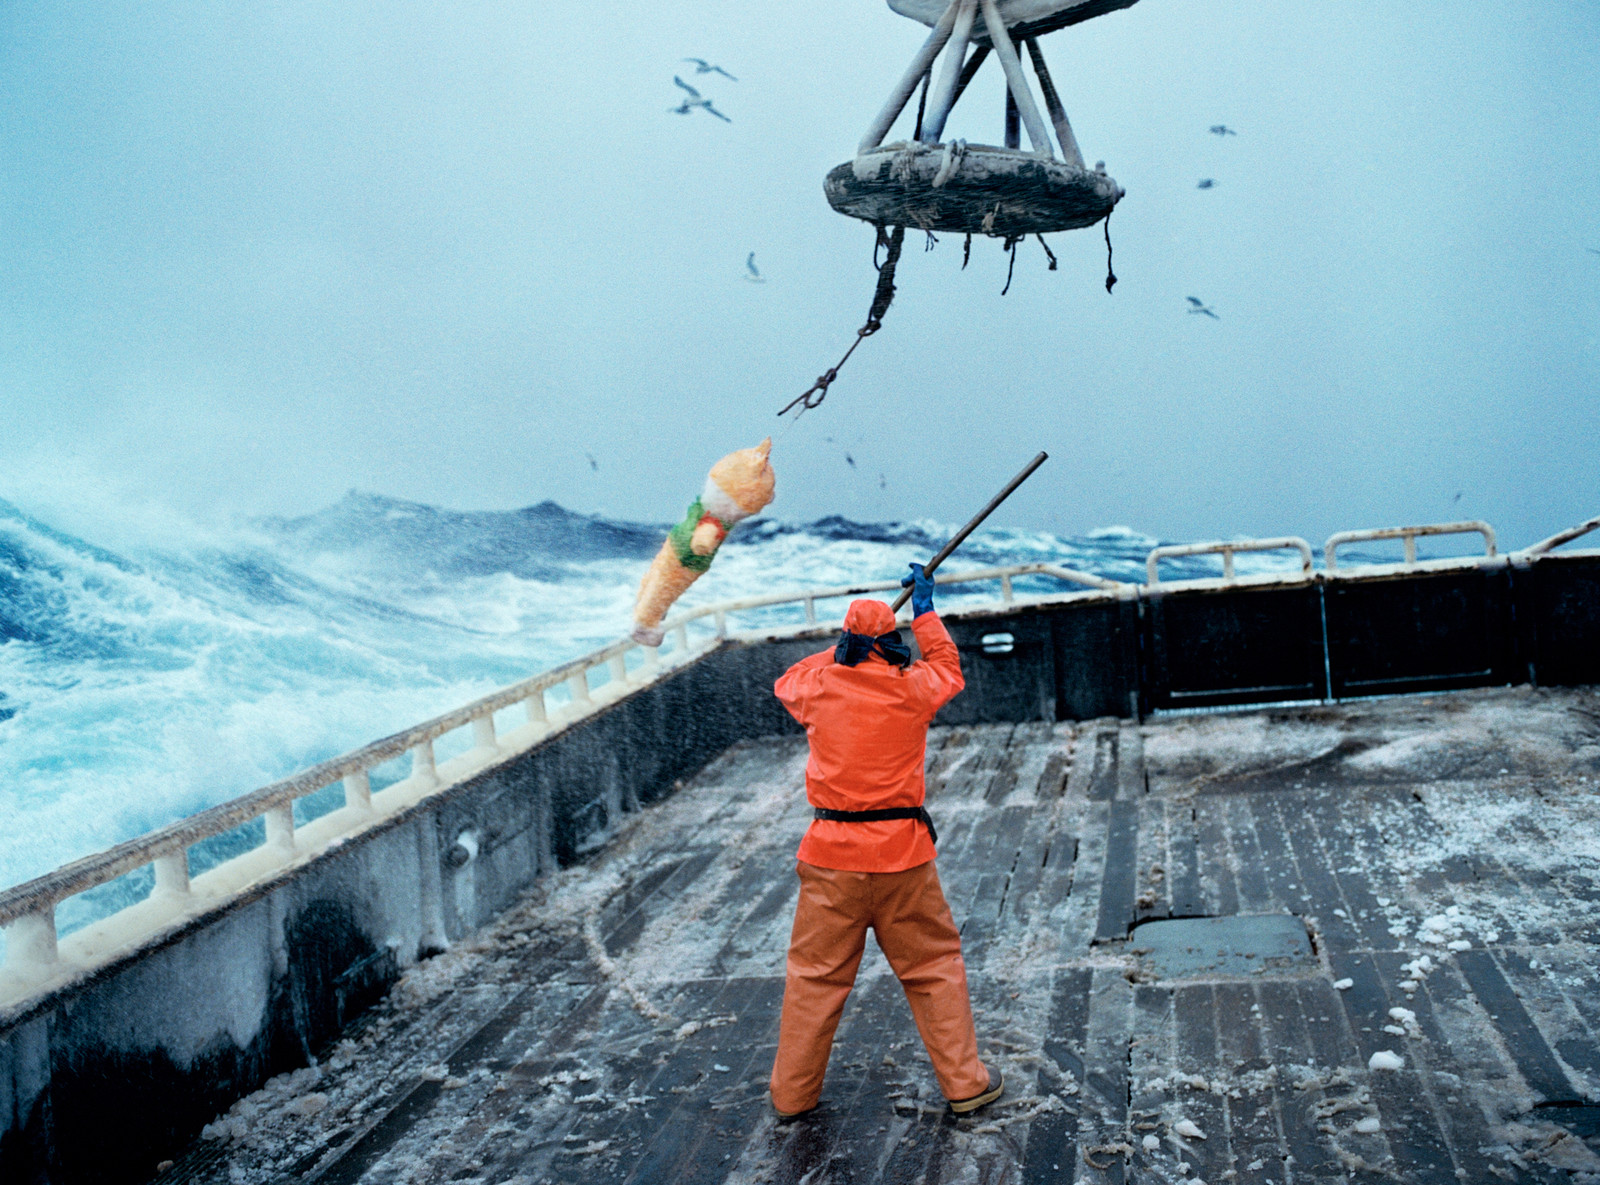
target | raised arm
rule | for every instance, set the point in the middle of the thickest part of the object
(938, 675)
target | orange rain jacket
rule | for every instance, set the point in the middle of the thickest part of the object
(868, 728)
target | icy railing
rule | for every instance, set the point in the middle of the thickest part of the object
(1226, 549)
(1545, 546)
(1409, 535)
(32, 956)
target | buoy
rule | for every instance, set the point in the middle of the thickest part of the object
(978, 189)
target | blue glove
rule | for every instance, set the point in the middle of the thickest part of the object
(921, 586)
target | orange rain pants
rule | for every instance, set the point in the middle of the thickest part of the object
(908, 915)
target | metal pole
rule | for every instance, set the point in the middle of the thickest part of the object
(975, 59)
(902, 91)
(1007, 53)
(944, 94)
(961, 535)
(1052, 103)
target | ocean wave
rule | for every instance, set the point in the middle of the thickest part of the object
(144, 679)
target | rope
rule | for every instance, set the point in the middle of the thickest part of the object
(1111, 276)
(882, 297)
(1047, 251)
(966, 251)
(1011, 249)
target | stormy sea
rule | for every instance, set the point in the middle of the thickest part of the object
(141, 682)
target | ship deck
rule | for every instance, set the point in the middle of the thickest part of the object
(1441, 855)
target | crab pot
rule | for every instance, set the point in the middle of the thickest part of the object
(969, 189)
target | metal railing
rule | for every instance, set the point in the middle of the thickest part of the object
(28, 911)
(1226, 549)
(1409, 535)
(1545, 546)
(809, 599)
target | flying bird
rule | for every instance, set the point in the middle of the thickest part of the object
(1222, 129)
(593, 464)
(849, 460)
(1206, 183)
(701, 66)
(1593, 250)
(751, 271)
(1200, 307)
(883, 482)
(693, 100)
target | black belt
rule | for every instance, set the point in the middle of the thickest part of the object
(890, 812)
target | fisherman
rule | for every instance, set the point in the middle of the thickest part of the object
(867, 858)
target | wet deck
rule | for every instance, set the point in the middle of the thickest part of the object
(619, 1026)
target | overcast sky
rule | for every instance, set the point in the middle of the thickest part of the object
(252, 256)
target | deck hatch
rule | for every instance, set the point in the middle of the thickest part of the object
(1238, 947)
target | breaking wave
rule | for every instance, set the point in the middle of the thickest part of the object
(142, 682)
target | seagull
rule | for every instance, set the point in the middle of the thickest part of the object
(701, 66)
(593, 464)
(1206, 183)
(751, 271)
(1457, 498)
(1200, 307)
(1222, 129)
(693, 100)
(849, 460)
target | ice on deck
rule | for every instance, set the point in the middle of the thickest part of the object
(1443, 854)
